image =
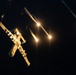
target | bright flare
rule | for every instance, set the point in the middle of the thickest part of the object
(37, 40)
(38, 24)
(50, 37)
(30, 15)
(33, 35)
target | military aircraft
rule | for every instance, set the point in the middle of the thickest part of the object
(15, 38)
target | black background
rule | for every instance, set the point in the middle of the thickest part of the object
(57, 57)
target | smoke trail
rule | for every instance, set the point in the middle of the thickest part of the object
(44, 31)
(68, 8)
(30, 15)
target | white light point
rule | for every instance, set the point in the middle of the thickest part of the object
(37, 40)
(50, 37)
(38, 24)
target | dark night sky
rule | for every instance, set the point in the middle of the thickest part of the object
(54, 58)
